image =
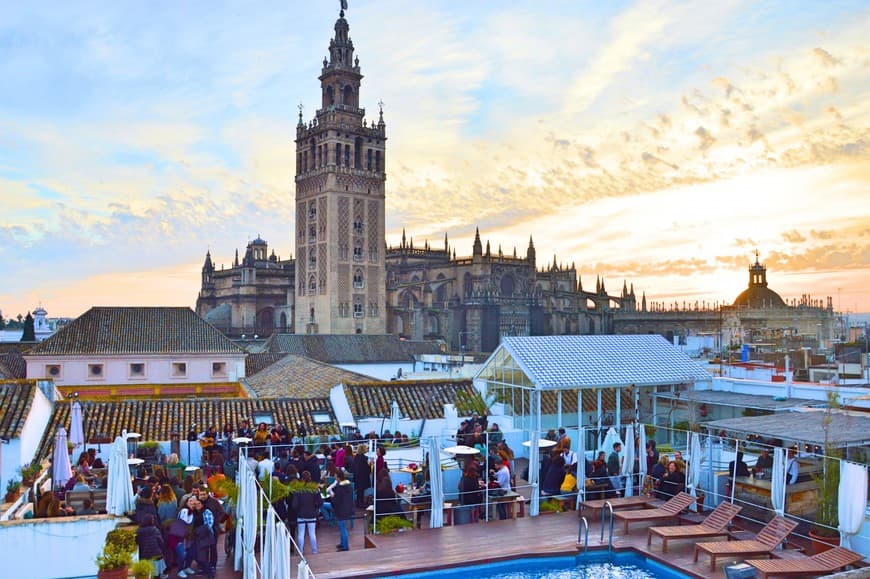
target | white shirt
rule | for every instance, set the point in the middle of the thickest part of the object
(791, 471)
(503, 477)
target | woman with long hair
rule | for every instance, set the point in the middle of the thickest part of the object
(362, 474)
(167, 504)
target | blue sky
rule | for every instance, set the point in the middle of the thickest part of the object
(655, 142)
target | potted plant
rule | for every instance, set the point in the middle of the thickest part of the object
(113, 562)
(550, 506)
(392, 524)
(143, 569)
(147, 449)
(824, 533)
(13, 490)
(29, 471)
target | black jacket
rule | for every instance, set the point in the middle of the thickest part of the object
(150, 542)
(306, 504)
(342, 500)
(362, 474)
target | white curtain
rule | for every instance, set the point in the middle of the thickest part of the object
(302, 570)
(76, 432)
(611, 437)
(119, 496)
(534, 472)
(267, 551)
(581, 466)
(61, 471)
(394, 417)
(627, 470)
(852, 500)
(246, 536)
(693, 477)
(436, 485)
(777, 481)
(641, 452)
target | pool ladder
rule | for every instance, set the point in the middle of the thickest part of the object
(583, 533)
(607, 508)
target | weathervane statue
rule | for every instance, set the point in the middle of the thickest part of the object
(344, 4)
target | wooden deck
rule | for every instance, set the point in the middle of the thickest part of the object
(422, 549)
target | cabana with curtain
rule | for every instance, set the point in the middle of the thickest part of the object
(550, 381)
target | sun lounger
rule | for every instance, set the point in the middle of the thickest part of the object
(617, 504)
(715, 524)
(765, 541)
(821, 564)
(670, 510)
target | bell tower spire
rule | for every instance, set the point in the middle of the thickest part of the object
(340, 203)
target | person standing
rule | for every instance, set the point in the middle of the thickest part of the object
(503, 478)
(362, 474)
(149, 539)
(674, 481)
(342, 508)
(306, 503)
(614, 467)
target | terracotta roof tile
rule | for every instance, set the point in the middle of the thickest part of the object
(300, 377)
(136, 330)
(158, 419)
(416, 399)
(16, 399)
(255, 363)
(12, 366)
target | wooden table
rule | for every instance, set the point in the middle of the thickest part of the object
(509, 498)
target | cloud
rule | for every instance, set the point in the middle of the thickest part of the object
(824, 57)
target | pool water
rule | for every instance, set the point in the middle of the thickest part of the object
(589, 566)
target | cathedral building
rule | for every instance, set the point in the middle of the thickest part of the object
(346, 280)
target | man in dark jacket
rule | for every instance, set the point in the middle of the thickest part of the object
(342, 506)
(362, 474)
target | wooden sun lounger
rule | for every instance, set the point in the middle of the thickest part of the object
(715, 524)
(620, 503)
(765, 541)
(670, 510)
(821, 564)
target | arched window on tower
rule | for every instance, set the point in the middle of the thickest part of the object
(347, 155)
(369, 159)
(377, 161)
(305, 162)
(312, 288)
(467, 286)
(358, 279)
(347, 96)
(357, 250)
(507, 286)
(357, 153)
(338, 154)
(330, 96)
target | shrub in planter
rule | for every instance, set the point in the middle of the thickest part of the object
(391, 524)
(143, 569)
(29, 472)
(113, 562)
(550, 506)
(13, 489)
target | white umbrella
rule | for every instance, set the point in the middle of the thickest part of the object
(777, 482)
(119, 495)
(534, 472)
(436, 486)
(611, 437)
(61, 471)
(694, 474)
(394, 417)
(581, 466)
(641, 451)
(76, 431)
(460, 450)
(852, 497)
(542, 443)
(628, 460)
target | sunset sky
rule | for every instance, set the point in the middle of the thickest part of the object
(660, 143)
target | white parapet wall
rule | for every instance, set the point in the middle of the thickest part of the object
(56, 547)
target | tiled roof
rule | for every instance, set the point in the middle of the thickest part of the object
(300, 377)
(16, 399)
(158, 419)
(137, 330)
(415, 399)
(601, 361)
(257, 362)
(20, 347)
(12, 366)
(351, 348)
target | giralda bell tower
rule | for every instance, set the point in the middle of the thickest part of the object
(340, 178)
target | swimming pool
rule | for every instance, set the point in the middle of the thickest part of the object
(600, 565)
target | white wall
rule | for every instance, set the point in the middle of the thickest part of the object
(58, 547)
(380, 371)
(116, 369)
(847, 394)
(10, 460)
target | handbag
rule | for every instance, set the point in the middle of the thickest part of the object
(569, 483)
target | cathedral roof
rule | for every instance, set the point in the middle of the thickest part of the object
(759, 297)
(136, 330)
(350, 348)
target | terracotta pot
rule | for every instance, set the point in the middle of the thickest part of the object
(821, 543)
(113, 574)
